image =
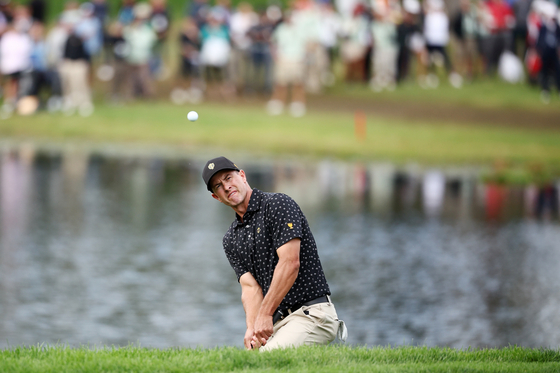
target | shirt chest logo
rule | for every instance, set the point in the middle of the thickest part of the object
(259, 230)
(291, 225)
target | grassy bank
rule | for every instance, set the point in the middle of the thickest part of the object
(247, 128)
(485, 92)
(308, 359)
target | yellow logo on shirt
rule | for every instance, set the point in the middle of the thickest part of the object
(291, 225)
(259, 230)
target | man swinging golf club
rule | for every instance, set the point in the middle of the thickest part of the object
(273, 253)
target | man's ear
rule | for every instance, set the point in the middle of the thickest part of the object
(215, 197)
(242, 174)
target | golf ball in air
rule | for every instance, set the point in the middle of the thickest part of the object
(192, 116)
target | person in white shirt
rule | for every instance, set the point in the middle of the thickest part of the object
(329, 32)
(436, 33)
(15, 59)
(289, 49)
(307, 17)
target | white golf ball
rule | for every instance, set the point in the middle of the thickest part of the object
(192, 116)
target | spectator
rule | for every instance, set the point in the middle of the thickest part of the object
(119, 50)
(410, 39)
(160, 22)
(15, 49)
(500, 23)
(198, 10)
(38, 10)
(215, 53)
(306, 16)
(159, 19)
(140, 40)
(548, 43)
(466, 29)
(385, 46)
(71, 14)
(223, 11)
(260, 76)
(55, 43)
(436, 32)
(521, 9)
(44, 76)
(356, 40)
(90, 30)
(101, 11)
(289, 67)
(22, 18)
(240, 23)
(74, 73)
(533, 60)
(190, 52)
(126, 13)
(329, 31)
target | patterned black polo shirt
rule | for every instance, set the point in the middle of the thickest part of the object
(271, 220)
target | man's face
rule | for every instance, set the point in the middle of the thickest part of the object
(229, 187)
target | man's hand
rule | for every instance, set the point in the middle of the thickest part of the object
(263, 330)
(248, 338)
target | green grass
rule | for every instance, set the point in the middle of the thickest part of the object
(485, 92)
(244, 128)
(305, 359)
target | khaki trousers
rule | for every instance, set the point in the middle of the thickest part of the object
(310, 325)
(74, 75)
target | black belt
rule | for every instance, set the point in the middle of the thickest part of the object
(279, 315)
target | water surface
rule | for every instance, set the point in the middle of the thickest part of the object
(98, 249)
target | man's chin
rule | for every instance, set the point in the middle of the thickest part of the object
(234, 201)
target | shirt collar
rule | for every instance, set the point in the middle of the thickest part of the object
(254, 205)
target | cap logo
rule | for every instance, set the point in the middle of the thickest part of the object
(211, 166)
(291, 225)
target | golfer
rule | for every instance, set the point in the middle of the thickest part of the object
(271, 249)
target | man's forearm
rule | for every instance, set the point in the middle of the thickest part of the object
(251, 297)
(285, 274)
(283, 278)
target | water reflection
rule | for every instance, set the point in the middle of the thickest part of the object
(119, 249)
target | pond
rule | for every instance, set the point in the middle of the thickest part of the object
(101, 248)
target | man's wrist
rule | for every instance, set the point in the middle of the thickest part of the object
(263, 313)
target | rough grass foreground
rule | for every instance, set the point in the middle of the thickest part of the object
(308, 359)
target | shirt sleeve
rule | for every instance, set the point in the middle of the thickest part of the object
(284, 220)
(233, 257)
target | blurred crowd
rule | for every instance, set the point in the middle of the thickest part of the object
(282, 54)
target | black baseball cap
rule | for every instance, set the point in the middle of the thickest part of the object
(214, 166)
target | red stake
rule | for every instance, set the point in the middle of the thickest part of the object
(360, 125)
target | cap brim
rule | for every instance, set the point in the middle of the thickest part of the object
(214, 174)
